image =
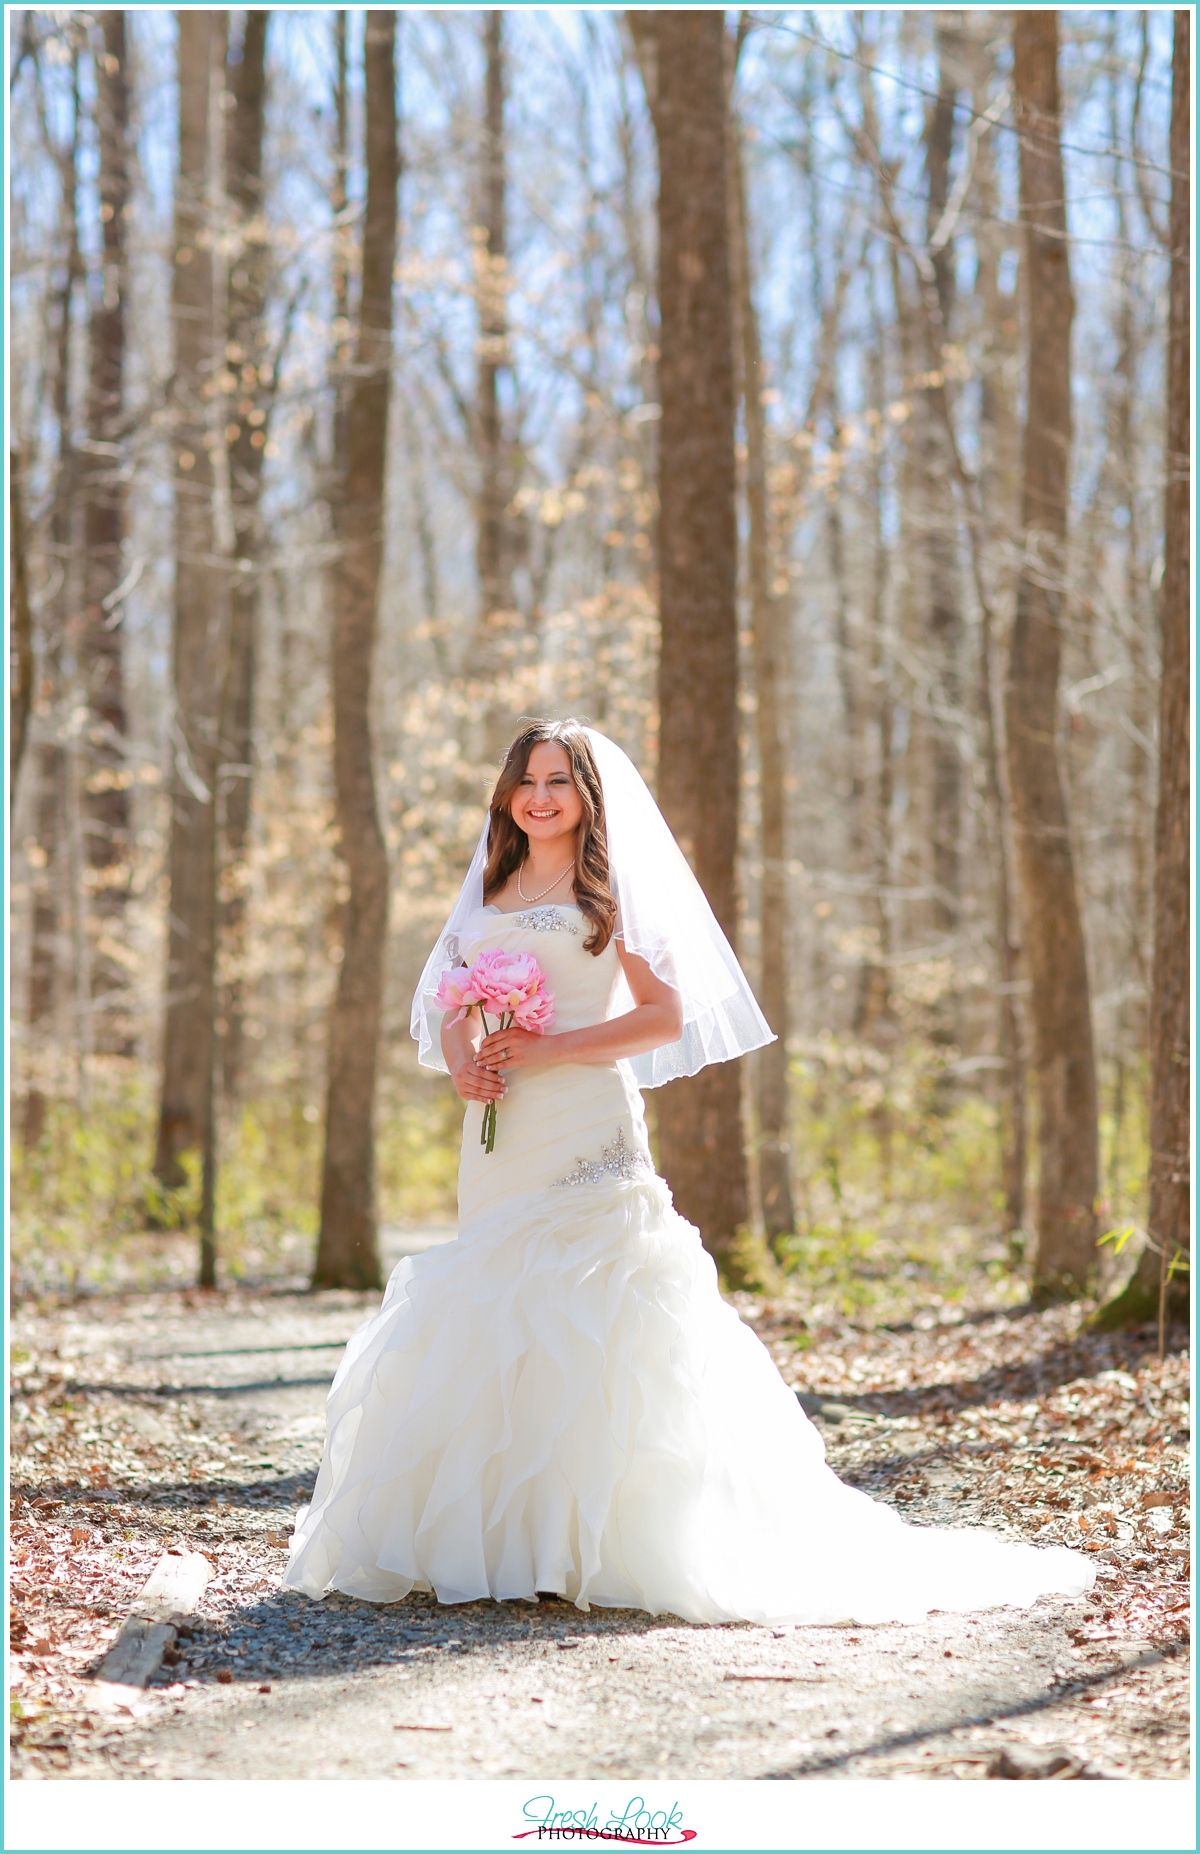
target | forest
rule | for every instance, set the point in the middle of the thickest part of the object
(802, 398)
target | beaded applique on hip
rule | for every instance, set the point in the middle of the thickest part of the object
(617, 1160)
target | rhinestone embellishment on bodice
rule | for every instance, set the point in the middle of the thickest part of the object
(546, 920)
(617, 1160)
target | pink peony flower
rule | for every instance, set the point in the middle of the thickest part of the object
(535, 1013)
(456, 992)
(505, 981)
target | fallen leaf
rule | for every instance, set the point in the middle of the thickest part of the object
(278, 1538)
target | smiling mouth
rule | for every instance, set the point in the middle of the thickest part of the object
(541, 814)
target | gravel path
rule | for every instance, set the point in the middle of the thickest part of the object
(165, 1418)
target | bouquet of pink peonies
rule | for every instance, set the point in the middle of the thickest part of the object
(510, 985)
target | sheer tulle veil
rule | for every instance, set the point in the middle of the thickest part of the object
(663, 917)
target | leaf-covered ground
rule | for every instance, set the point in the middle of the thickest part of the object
(146, 1421)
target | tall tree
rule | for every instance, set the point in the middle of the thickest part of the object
(999, 494)
(683, 60)
(941, 544)
(341, 360)
(200, 634)
(769, 630)
(245, 351)
(1162, 1271)
(1131, 883)
(498, 619)
(1061, 1001)
(347, 1251)
(50, 808)
(875, 1015)
(106, 803)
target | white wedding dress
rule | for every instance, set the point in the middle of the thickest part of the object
(560, 1400)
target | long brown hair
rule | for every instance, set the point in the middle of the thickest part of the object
(508, 845)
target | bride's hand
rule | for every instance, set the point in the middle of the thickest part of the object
(512, 1049)
(475, 1083)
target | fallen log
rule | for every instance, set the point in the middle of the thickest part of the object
(172, 1592)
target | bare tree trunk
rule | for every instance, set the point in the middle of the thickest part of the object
(498, 620)
(945, 614)
(248, 285)
(770, 646)
(875, 1015)
(913, 342)
(347, 1252)
(50, 814)
(1130, 898)
(853, 707)
(682, 54)
(20, 641)
(105, 790)
(201, 598)
(1066, 1075)
(342, 261)
(998, 515)
(1160, 1282)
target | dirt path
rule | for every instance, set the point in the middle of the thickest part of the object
(149, 1420)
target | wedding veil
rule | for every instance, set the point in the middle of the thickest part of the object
(663, 916)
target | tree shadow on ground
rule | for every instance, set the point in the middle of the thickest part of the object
(289, 1636)
(144, 1393)
(1017, 1381)
(994, 1715)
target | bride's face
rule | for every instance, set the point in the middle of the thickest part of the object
(546, 804)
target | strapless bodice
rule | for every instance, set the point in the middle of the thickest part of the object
(572, 1124)
(587, 987)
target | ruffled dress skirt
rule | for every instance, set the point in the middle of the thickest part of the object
(560, 1400)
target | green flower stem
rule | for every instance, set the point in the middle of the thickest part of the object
(487, 1130)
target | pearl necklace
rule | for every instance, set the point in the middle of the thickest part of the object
(558, 878)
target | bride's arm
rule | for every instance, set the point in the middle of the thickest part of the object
(472, 1080)
(656, 1018)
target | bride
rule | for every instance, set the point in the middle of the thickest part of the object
(560, 1401)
